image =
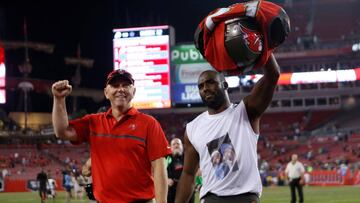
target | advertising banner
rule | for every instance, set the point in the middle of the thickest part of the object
(32, 185)
(1, 185)
(187, 64)
(186, 93)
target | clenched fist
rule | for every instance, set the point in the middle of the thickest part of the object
(61, 89)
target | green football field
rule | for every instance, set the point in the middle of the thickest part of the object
(345, 194)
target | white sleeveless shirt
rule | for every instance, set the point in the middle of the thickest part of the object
(227, 147)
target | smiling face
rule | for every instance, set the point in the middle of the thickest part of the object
(212, 89)
(229, 154)
(120, 93)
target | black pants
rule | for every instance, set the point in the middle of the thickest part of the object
(90, 191)
(242, 198)
(172, 193)
(295, 184)
(43, 192)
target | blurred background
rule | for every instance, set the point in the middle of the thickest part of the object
(315, 111)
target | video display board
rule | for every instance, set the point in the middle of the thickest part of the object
(145, 53)
(2, 76)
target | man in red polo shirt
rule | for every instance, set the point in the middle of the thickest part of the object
(126, 146)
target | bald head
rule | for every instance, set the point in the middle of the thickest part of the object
(176, 146)
(294, 158)
(213, 90)
(214, 74)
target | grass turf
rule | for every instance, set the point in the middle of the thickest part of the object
(344, 194)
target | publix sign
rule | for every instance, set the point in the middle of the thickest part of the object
(183, 54)
(188, 64)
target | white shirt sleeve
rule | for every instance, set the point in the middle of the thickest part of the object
(287, 170)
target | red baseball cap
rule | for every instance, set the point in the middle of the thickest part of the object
(119, 74)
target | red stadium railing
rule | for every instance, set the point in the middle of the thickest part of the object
(334, 178)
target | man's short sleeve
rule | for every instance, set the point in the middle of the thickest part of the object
(287, 169)
(156, 143)
(82, 128)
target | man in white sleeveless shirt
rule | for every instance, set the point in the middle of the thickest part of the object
(223, 140)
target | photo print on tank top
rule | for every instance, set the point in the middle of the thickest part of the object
(222, 155)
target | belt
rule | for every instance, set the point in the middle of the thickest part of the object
(238, 195)
(295, 178)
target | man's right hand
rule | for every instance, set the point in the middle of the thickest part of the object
(170, 182)
(61, 89)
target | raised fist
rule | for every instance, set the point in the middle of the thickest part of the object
(61, 89)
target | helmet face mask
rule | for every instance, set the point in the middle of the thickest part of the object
(243, 41)
(279, 29)
(198, 40)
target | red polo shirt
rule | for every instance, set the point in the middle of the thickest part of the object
(121, 154)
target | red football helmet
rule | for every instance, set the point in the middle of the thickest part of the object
(243, 41)
(242, 36)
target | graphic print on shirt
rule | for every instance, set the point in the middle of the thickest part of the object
(178, 166)
(222, 155)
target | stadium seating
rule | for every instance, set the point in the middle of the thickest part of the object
(335, 23)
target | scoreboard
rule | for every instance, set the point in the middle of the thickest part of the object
(2, 76)
(145, 53)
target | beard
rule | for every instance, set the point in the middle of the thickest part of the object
(177, 152)
(216, 102)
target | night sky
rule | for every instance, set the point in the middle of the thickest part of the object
(90, 23)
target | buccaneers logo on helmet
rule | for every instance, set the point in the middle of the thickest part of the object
(243, 41)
